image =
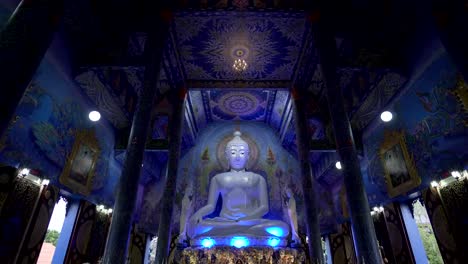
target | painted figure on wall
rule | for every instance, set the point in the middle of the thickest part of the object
(394, 162)
(244, 201)
(82, 164)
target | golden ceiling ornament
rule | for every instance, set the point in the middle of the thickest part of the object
(240, 65)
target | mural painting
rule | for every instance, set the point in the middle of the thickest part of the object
(434, 130)
(42, 137)
(398, 164)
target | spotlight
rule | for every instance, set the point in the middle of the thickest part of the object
(239, 242)
(273, 242)
(381, 209)
(276, 231)
(207, 242)
(434, 184)
(45, 182)
(386, 116)
(24, 172)
(338, 165)
(94, 116)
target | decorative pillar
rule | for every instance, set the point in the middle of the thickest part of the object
(168, 198)
(77, 251)
(447, 204)
(37, 227)
(451, 18)
(16, 214)
(363, 228)
(124, 207)
(99, 234)
(444, 233)
(342, 247)
(310, 199)
(23, 43)
(137, 248)
(394, 221)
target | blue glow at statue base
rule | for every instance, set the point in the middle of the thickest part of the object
(244, 203)
(239, 241)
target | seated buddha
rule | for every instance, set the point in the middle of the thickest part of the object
(244, 202)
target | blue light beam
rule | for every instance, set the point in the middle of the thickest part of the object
(239, 242)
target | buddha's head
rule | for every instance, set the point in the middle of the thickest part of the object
(237, 152)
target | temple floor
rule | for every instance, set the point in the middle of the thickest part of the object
(232, 255)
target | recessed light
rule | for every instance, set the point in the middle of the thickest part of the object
(94, 116)
(338, 165)
(386, 116)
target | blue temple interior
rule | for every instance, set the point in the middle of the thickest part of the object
(390, 56)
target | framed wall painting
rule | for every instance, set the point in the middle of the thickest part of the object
(78, 172)
(400, 171)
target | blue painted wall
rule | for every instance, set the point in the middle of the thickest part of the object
(433, 121)
(51, 110)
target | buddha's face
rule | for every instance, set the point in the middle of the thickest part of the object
(238, 155)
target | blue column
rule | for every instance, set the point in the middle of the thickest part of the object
(147, 249)
(328, 249)
(414, 236)
(23, 42)
(362, 225)
(124, 208)
(310, 199)
(66, 233)
(168, 198)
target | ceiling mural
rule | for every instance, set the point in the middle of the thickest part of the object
(387, 85)
(209, 42)
(238, 105)
(267, 106)
(113, 90)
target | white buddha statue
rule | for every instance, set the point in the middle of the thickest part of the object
(244, 201)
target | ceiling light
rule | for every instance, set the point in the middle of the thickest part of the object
(94, 116)
(338, 165)
(386, 116)
(240, 65)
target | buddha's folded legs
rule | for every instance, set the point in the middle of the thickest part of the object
(217, 227)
